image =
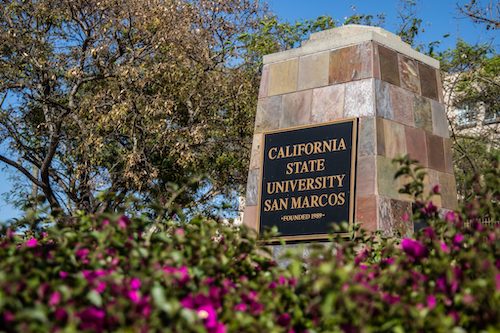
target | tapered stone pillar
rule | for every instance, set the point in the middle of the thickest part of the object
(395, 92)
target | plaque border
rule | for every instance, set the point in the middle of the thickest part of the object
(354, 154)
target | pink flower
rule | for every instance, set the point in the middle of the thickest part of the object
(63, 274)
(431, 302)
(181, 273)
(390, 299)
(208, 315)
(133, 295)
(81, 254)
(32, 242)
(105, 222)
(8, 316)
(240, 307)
(135, 283)
(55, 298)
(180, 232)
(444, 247)
(123, 222)
(414, 249)
(457, 239)
(436, 189)
(60, 314)
(284, 319)
(451, 217)
(92, 319)
(101, 287)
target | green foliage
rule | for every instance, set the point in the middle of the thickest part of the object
(108, 273)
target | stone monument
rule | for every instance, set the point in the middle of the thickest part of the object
(390, 93)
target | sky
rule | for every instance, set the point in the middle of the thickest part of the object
(440, 17)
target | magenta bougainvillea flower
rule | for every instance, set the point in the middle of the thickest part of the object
(414, 249)
(32, 242)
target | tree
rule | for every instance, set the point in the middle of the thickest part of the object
(482, 12)
(125, 97)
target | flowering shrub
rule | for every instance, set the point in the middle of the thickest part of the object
(105, 273)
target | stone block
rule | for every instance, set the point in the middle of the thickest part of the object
(398, 210)
(351, 63)
(256, 154)
(388, 60)
(264, 82)
(252, 187)
(359, 99)
(402, 105)
(366, 176)
(313, 70)
(428, 81)
(376, 62)
(435, 152)
(394, 139)
(440, 87)
(386, 184)
(296, 109)
(439, 120)
(379, 123)
(283, 77)
(327, 103)
(268, 114)
(431, 180)
(383, 100)
(250, 217)
(408, 71)
(448, 156)
(422, 112)
(415, 145)
(366, 212)
(448, 191)
(390, 213)
(367, 138)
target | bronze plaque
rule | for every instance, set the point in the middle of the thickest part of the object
(308, 177)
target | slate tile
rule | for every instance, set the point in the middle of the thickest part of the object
(386, 184)
(448, 156)
(313, 70)
(296, 109)
(379, 123)
(428, 81)
(448, 191)
(366, 212)
(328, 103)
(351, 63)
(256, 153)
(394, 139)
(359, 99)
(402, 105)
(388, 60)
(439, 120)
(385, 222)
(283, 77)
(365, 176)
(383, 100)
(416, 145)
(250, 217)
(398, 210)
(422, 112)
(264, 82)
(252, 194)
(268, 114)
(408, 71)
(435, 151)
(367, 139)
